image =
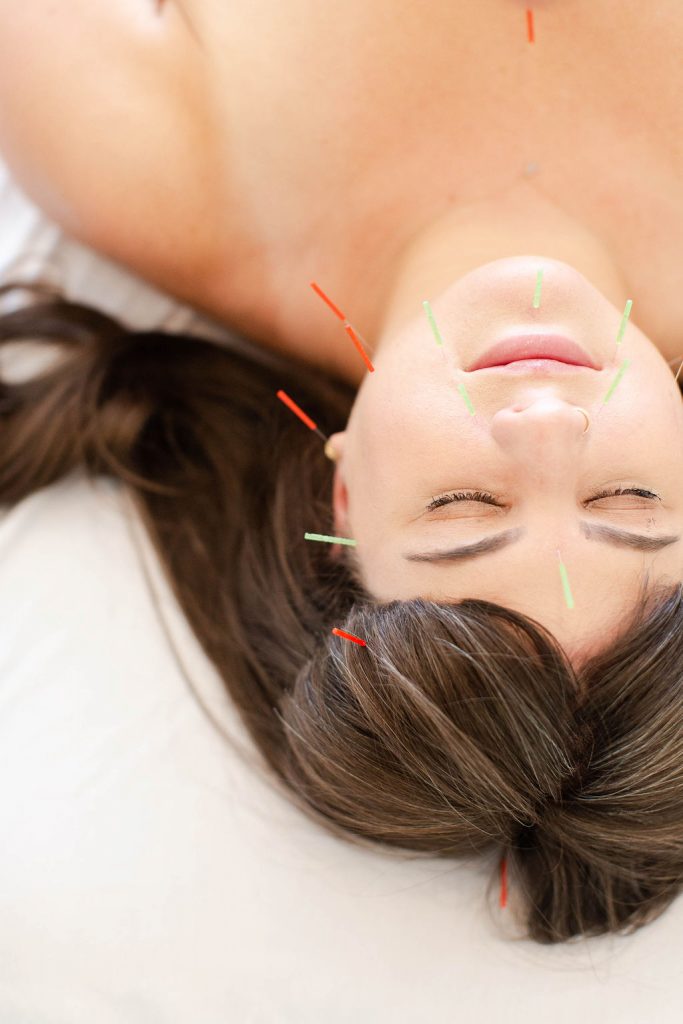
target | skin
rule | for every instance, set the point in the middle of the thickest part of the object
(233, 203)
(410, 437)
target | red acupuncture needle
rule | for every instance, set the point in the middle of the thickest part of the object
(284, 397)
(347, 326)
(349, 636)
(504, 882)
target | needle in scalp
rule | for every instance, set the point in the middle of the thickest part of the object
(503, 882)
(298, 411)
(330, 540)
(349, 636)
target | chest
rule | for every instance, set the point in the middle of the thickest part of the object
(351, 127)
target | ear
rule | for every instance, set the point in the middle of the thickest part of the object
(340, 494)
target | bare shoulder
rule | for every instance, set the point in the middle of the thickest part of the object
(104, 127)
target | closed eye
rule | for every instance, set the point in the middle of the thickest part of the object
(488, 499)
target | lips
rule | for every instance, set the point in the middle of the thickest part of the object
(534, 346)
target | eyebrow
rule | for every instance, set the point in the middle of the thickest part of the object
(607, 534)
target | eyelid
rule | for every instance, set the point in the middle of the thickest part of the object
(484, 497)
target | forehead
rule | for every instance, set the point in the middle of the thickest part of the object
(603, 585)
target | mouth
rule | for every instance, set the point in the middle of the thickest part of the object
(550, 352)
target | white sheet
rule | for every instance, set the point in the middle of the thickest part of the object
(146, 873)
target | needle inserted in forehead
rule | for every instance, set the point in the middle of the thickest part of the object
(565, 582)
(439, 340)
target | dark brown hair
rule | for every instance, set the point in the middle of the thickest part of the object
(461, 730)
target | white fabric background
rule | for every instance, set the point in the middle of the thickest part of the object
(147, 873)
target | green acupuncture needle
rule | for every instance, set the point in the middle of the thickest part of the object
(565, 582)
(537, 293)
(624, 321)
(439, 340)
(468, 402)
(330, 540)
(622, 370)
(430, 316)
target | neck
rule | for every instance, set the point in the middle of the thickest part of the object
(520, 221)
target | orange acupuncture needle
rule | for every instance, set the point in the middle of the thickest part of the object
(356, 340)
(330, 303)
(284, 397)
(347, 326)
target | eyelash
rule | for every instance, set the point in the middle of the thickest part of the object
(488, 499)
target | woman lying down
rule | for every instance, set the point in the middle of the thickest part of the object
(430, 530)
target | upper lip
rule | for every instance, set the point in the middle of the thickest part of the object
(534, 346)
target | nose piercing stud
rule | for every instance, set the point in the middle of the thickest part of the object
(587, 417)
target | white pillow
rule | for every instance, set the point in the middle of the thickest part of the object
(148, 874)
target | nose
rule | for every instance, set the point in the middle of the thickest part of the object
(543, 435)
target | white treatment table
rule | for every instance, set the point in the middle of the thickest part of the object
(148, 875)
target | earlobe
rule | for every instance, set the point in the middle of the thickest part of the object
(340, 494)
(340, 504)
(334, 446)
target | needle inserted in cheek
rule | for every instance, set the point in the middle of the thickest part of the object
(624, 320)
(622, 370)
(622, 328)
(439, 340)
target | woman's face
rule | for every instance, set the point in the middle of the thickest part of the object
(411, 441)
